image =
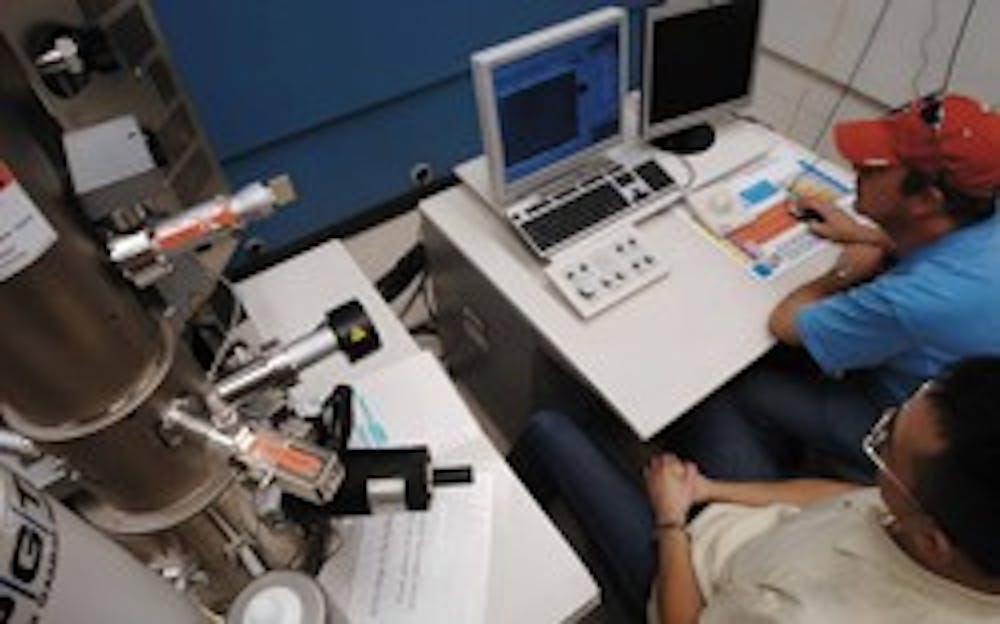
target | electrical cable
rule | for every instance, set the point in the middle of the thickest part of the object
(234, 318)
(824, 58)
(958, 44)
(925, 55)
(413, 297)
(403, 272)
(685, 191)
(752, 119)
(848, 86)
(428, 303)
(883, 11)
(692, 174)
(425, 328)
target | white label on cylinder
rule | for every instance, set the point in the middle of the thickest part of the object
(28, 555)
(25, 233)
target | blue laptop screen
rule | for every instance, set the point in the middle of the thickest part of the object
(557, 102)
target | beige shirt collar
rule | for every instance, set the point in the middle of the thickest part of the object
(874, 545)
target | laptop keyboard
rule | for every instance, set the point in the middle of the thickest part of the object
(575, 215)
(600, 199)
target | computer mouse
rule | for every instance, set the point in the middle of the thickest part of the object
(807, 214)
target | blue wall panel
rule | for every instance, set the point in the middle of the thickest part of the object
(344, 96)
(342, 168)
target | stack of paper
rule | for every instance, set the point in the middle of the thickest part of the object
(416, 567)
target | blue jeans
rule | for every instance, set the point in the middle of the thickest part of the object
(763, 423)
(607, 502)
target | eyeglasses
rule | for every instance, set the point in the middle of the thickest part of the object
(873, 444)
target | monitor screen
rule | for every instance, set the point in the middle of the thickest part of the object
(697, 62)
(550, 99)
(557, 102)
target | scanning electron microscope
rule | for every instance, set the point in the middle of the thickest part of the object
(185, 473)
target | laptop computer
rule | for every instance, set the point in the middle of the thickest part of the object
(555, 162)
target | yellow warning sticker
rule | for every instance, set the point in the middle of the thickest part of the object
(357, 334)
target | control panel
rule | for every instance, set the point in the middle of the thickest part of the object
(597, 274)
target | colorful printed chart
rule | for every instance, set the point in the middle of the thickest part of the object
(750, 215)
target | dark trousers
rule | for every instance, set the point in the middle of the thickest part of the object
(605, 500)
(780, 418)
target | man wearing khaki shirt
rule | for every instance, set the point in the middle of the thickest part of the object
(922, 546)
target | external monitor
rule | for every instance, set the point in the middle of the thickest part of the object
(550, 100)
(697, 65)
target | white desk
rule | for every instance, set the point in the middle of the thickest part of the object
(534, 575)
(292, 298)
(651, 357)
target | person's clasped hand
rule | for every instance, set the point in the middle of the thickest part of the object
(673, 486)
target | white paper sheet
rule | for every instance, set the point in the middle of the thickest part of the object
(417, 567)
(402, 404)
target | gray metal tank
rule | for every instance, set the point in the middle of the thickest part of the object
(87, 369)
(57, 569)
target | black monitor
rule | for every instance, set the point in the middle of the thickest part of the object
(698, 66)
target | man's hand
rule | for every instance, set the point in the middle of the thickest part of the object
(837, 226)
(671, 485)
(704, 488)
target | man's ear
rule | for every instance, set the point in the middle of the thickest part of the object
(928, 202)
(936, 545)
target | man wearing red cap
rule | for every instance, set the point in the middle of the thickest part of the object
(915, 292)
(916, 287)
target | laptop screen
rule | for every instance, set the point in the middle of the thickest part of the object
(558, 102)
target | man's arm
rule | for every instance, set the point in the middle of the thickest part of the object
(837, 226)
(678, 599)
(866, 248)
(798, 492)
(671, 486)
(781, 323)
(858, 262)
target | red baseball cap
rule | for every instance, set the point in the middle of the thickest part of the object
(950, 135)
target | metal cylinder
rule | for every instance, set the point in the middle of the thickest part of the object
(199, 549)
(73, 337)
(280, 367)
(58, 569)
(86, 372)
(130, 463)
(86, 369)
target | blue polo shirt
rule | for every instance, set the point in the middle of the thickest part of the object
(938, 304)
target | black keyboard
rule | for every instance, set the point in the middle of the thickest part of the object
(652, 175)
(574, 216)
(569, 217)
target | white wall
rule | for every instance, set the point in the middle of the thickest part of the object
(828, 36)
(811, 47)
